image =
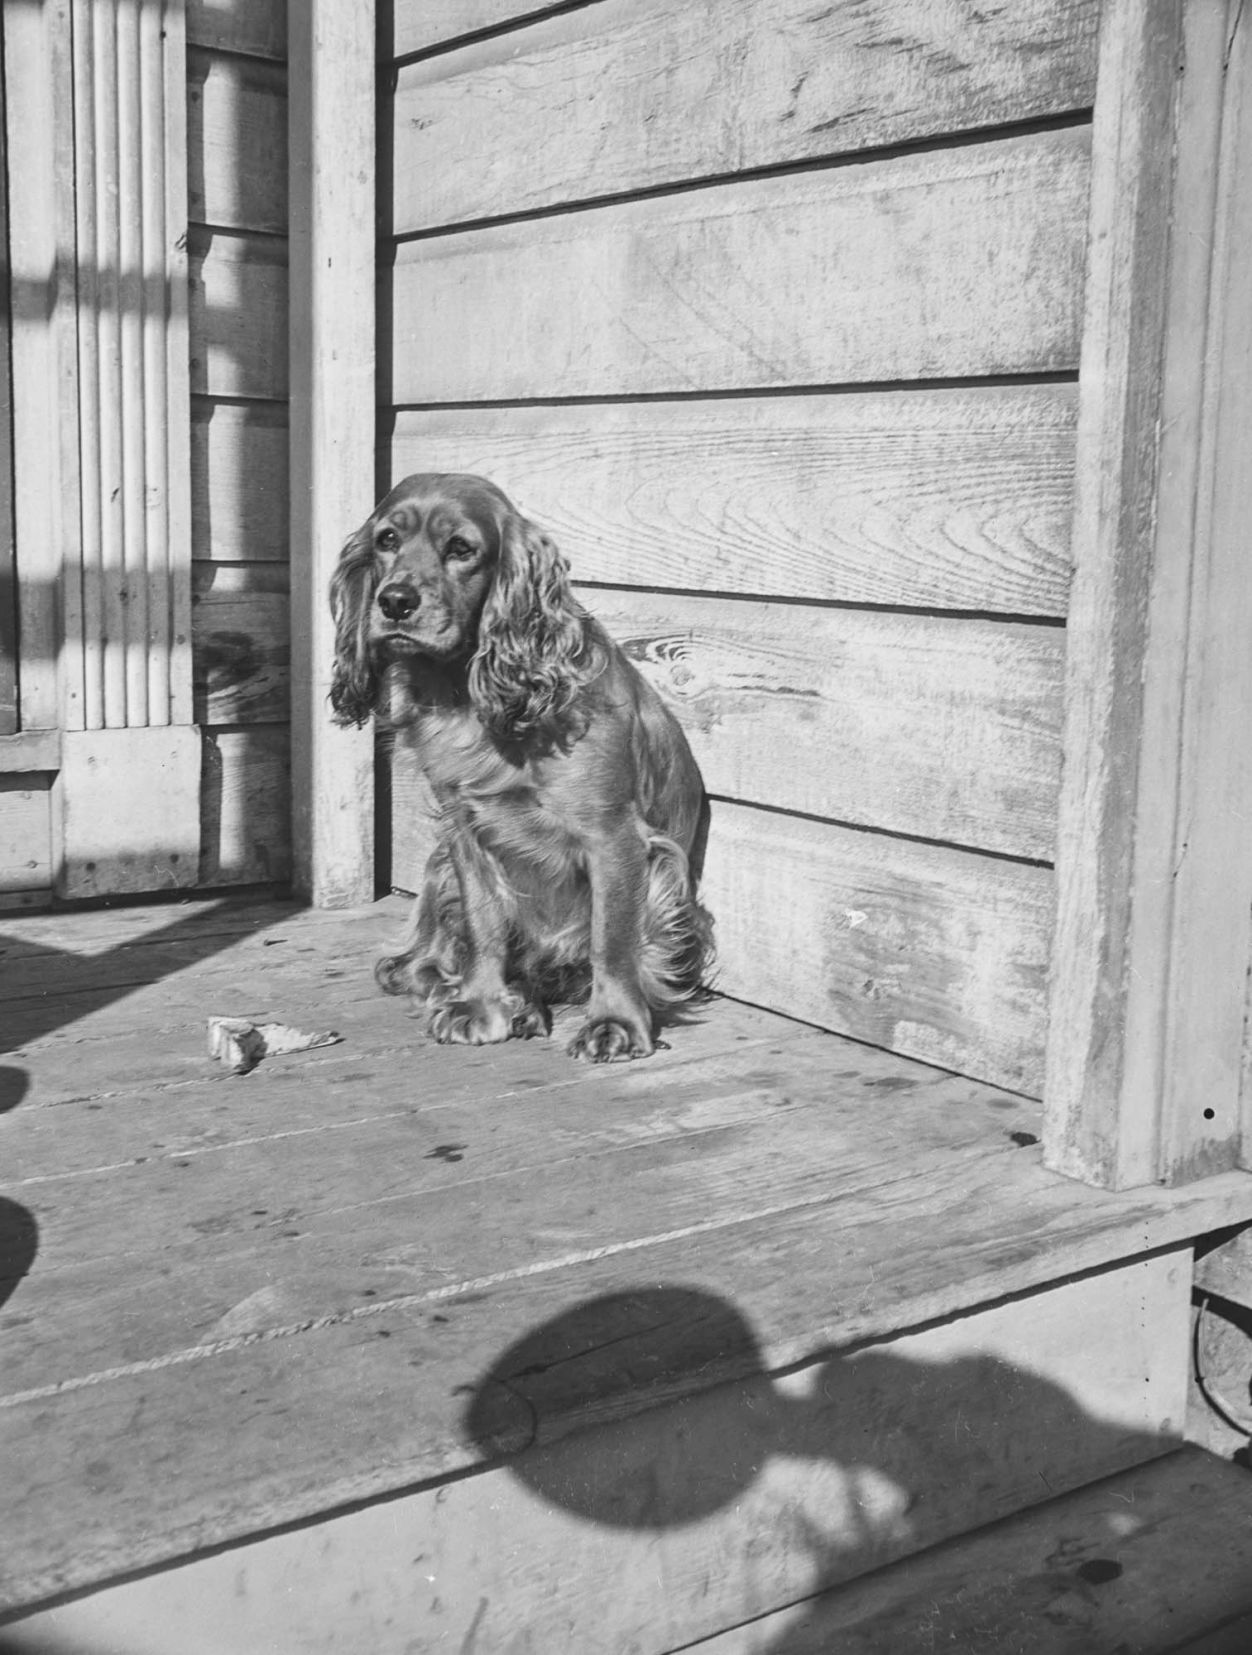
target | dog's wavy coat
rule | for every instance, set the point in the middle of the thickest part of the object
(570, 809)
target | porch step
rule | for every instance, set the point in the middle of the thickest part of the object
(1156, 1561)
(543, 1359)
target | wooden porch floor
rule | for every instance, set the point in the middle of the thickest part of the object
(230, 1303)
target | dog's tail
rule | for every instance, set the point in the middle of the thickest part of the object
(677, 952)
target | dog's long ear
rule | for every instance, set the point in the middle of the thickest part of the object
(534, 652)
(355, 683)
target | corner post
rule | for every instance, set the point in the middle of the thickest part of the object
(331, 141)
(1154, 925)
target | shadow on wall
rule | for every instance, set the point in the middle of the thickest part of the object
(898, 1453)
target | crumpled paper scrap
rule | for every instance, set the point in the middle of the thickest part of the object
(241, 1044)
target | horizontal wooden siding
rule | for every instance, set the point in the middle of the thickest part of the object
(772, 316)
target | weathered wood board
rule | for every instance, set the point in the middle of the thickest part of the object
(939, 728)
(475, 130)
(240, 620)
(129, 816)
(237, 127)
(560, 1549)
(237, 141)
(333, 337)
(1154, 931)
(238, 318)
(206, 1274)
(239, 481)
(419, 24)
(1155, 1560)
(245, 806)
(256, 27)
(934, 952)
(870, 272)
(25, 833)
(925, 949)
(946, 499)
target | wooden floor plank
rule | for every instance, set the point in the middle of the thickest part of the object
(84, 931)
(232, 1302)
(405, 1204)
(350, 1087)
(738, 1500)
(270, 1426)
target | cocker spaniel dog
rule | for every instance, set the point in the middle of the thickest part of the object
(569, 808)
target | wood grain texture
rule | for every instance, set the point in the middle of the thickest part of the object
(878, 271)
(241, 629)
(1203, 1126)
(333, 154)
(237, 142)
(845, 1447)
(25, 833)
(130, 812)
(1176, 1532)
(1093, 1130)
(44, 341)
(938, 954)
(257, 27)
(30, 750)
(401, 1192)
(245, 806)
(239, 460)
(239, 314)
(600, 101)
(1156, 883)
(941, 729)
(420, 24)
(943, 499)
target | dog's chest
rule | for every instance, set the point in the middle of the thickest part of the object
(497, 800)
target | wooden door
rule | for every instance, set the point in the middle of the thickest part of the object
(103, 755)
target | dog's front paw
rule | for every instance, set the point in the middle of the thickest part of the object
(610, 1040)
(486, 1022)
(422, 979)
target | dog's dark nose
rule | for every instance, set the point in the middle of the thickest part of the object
(397, 600)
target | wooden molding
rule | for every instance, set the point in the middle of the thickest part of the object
(30, 751)
(45, 433)
(128, 633)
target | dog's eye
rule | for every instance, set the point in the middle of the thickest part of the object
(458, 548)
(388, 540)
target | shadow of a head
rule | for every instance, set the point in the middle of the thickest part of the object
(585, 1367)
(689, 1421)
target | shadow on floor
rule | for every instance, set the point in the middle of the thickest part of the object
(43, 989)
(913, 1452)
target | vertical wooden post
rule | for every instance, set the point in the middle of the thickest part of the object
(1228, 689)
(331, 52)
(1154, 848)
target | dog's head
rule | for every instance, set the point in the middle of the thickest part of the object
(446, 570)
